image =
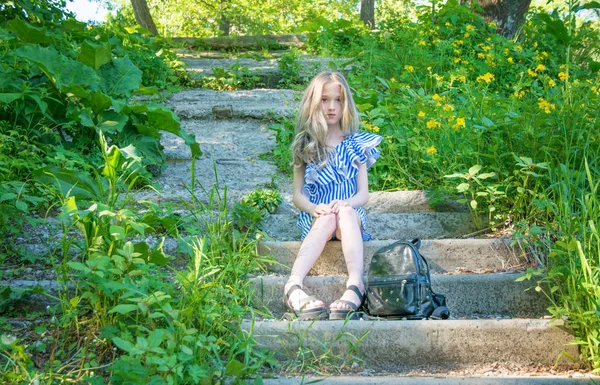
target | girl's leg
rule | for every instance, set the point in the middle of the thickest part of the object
(349, 232)
(311, 248)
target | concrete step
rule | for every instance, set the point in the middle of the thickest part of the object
(387, 226)
(203, 66)
(406, 345)
(440, 379)
(412, 201)
(221, 139)
(256, 104)
(468, 295)
(443, 255)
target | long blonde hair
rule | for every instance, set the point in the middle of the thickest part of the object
(310, 143)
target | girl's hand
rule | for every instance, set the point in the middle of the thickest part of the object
(337, 204)
(320, 210)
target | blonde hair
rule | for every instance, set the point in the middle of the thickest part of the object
(310, 143)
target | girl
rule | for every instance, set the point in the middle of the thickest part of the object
(330, 187)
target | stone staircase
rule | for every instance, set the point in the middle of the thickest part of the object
(494, 321)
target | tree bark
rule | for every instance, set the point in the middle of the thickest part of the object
(142, 15)
(224, 24)
(367, 12)
(508, 14)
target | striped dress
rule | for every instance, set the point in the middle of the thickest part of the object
(337, 180)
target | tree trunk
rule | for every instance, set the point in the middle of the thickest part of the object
(224, 24)
(508, 14)
(367, 12)
(142, 15)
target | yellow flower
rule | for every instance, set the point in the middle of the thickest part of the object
(531, 72)
(431, 150)
(492, 24)
(437, 77)
(488, 77)
(545, 54)
(535, 44)
(422, 42)
(467, 35)
(421, 114)
(462, 78)
(551, 82)
(540, 68)
(448, 24)
(436, 97)
(456, 59)
(393, 80)
(375, 129)
(448, 108)
(563, 76)
(519, 94)
(470, 28)
(409, 68)
(460, 122)
(545, 105)
(481, 55)
(432, 123)
(510, 60)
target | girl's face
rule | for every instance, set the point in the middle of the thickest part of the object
(331, 104)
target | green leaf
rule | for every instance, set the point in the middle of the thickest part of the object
(95, 55)
(487, 122)
(68, 75)
(21, 206)
(74, 183)
(6, 98)
(474, 204)
(111, 122)
(462, 187)
(28, 33)
(98, 101)
(486, 175)
(7, 196)
(123, 309)
(122, 344)
(474, 170)
(86, 119)
(117, 232)
(120, 77)
(235, 368)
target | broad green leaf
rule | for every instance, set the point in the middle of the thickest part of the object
(123, 309)
(462, 187)
(474, 170)
(98, 101)
(6, 98)
(474, 204)
(6, 36)
(486, 175)
(85, 118)
(111, 122)
(21, 206)
(123, 345)
(117, 232)
(187, 350)
(95, 55)
(68, 75)
(7, 196)
(487, 122)
(28, 33)
(455, 176)
(235, 368)
(120, 77)
(78, 266)
(73, 183)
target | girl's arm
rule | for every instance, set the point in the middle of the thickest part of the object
(362, 191)
(301, 201)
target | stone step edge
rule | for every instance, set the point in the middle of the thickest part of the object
(427, 378)
(443, 255)
(466, 294)
(405, 344)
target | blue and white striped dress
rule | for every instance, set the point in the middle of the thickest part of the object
(337, 180)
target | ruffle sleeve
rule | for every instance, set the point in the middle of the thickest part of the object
(343, 164)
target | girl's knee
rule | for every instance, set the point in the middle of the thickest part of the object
(326, 222)
(347, 213)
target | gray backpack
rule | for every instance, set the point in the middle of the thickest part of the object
(399, 284)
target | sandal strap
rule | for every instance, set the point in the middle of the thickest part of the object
(349, 303)
(361, 297)
(301, 303)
